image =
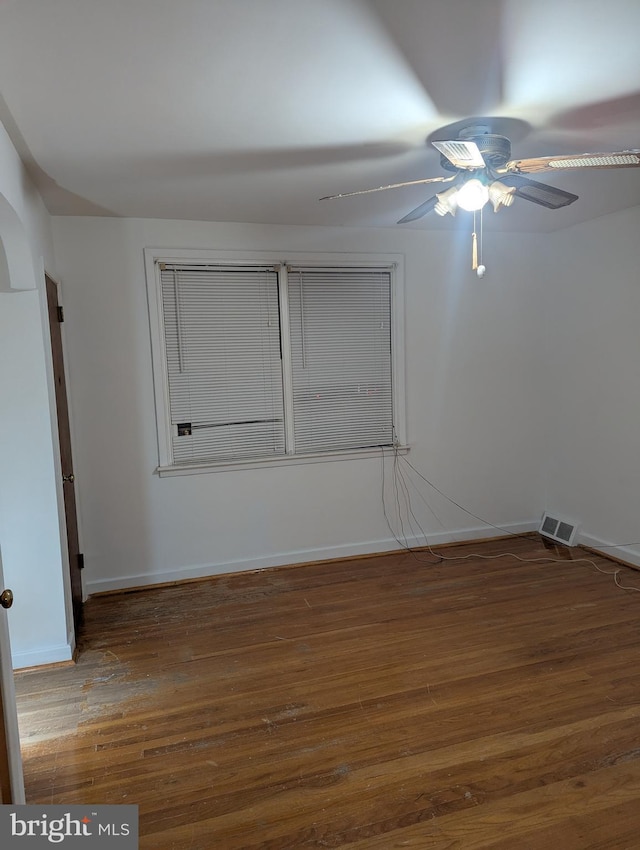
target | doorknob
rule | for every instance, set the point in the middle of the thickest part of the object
(6, 598)
(71, 478)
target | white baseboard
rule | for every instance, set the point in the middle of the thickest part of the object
(605, 547)
(44, 655)
(302, 556)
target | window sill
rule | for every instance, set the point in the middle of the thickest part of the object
(281, 460)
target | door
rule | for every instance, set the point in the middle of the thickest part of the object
(11, 780)
(68, 478)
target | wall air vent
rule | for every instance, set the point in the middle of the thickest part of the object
(560, 530)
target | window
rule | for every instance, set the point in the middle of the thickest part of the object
(222, 343)
(340, 327)
(271, 362)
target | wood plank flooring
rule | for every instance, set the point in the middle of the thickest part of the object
(385, 702)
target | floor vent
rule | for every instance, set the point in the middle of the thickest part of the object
(558, 529)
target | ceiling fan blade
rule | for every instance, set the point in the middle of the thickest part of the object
(616, 159)
(423, 209)
(461, 153)
(390, 186)
(540, 193)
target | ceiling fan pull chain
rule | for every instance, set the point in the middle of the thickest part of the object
(480, 270)
(474, 245)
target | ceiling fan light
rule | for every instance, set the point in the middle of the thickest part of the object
(447, 202)
(473, 195)
(501, 195)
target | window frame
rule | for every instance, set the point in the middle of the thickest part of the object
(154, 257)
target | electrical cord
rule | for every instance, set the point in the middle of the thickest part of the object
(402, 543)
(400, 485)
(458, 505)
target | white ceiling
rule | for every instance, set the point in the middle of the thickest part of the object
(251, 110)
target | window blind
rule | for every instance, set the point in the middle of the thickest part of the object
(340, 326)
(222, 342)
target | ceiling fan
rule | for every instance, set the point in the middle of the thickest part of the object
(483, 172)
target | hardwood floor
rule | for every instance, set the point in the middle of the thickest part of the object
(385, 702)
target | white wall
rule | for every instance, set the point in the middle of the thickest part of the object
(473, 378)
(593, 315)
(30, 497)
(522, 393)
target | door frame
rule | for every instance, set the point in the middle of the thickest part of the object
(74, 558)
(11, 775)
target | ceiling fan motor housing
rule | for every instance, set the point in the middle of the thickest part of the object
(495, 150)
